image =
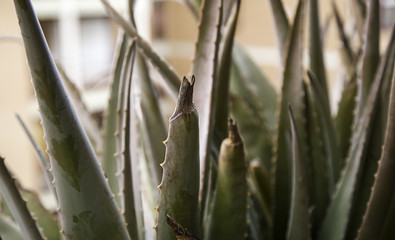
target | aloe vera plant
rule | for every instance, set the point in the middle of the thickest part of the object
(289, 168)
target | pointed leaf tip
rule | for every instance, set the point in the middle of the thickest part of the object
(185, 98)
(234, 135)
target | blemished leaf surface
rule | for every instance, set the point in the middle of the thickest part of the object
(225, 63)
(43, 160)
(109, 162)
(17, 205)
(282, 26)
(298, 225)
(293, 93)
(9, 229)
(166, 70)
(205, 70)
(316, 50)
(179, 189)
(371, 54)
(88, 212)
(46, 220)
(230, 201)
(89, 124)
(338, 216)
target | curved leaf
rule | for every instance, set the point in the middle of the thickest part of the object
(16, 204)
(9, 230)
(282, 26)
(86, 211)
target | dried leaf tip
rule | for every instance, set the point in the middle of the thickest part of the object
(185, 99)
(181, 232)
(233, 132)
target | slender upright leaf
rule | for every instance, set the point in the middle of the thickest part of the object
(298, 224)
(89, 212)
(9, 230)
(292, 92)
(282, 26)
(109, 161)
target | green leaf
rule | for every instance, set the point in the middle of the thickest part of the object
(298, 224)
(257, 137)
(132, 197)
(230, 201)
(334, 161)
(282, 26)
(205, 69)
(293, 93)
(89, 124)
(345, 117)
(179, 190)
(316, 50)
(225, 62)
(384, 185)
(151, 120)
(17, 205)
(375, 143)
(338, 216)
(164, 68)
(254, 86)
(43, 160)
(109, 161)
(46, 220)
(86, 211)
(9, 229)
(371, 55)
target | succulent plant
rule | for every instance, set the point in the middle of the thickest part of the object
(288, 169)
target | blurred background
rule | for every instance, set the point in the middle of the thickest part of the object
(83, 41)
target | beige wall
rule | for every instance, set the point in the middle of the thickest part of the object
(15, 97)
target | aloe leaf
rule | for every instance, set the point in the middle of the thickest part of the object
(298, 225)
(338, 216)
(282, 26)
(86, 211)
(374, 144)
(257, 90)
(334, 161)
(88, 122)
(193, 6)
(371, 54)
(109, 161)
(17, 205)
(316, 53)
(317, 167)
(46, 220)
(345, 116)
(225, 62)
(132, 197)
(292, 92)
(9, 229)
(205, 69)
(346, 46)
(150, 118)
(179, 189)
(43, 160)
(230, 201)
(257, 137)
(165, 69)
(384, 185)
